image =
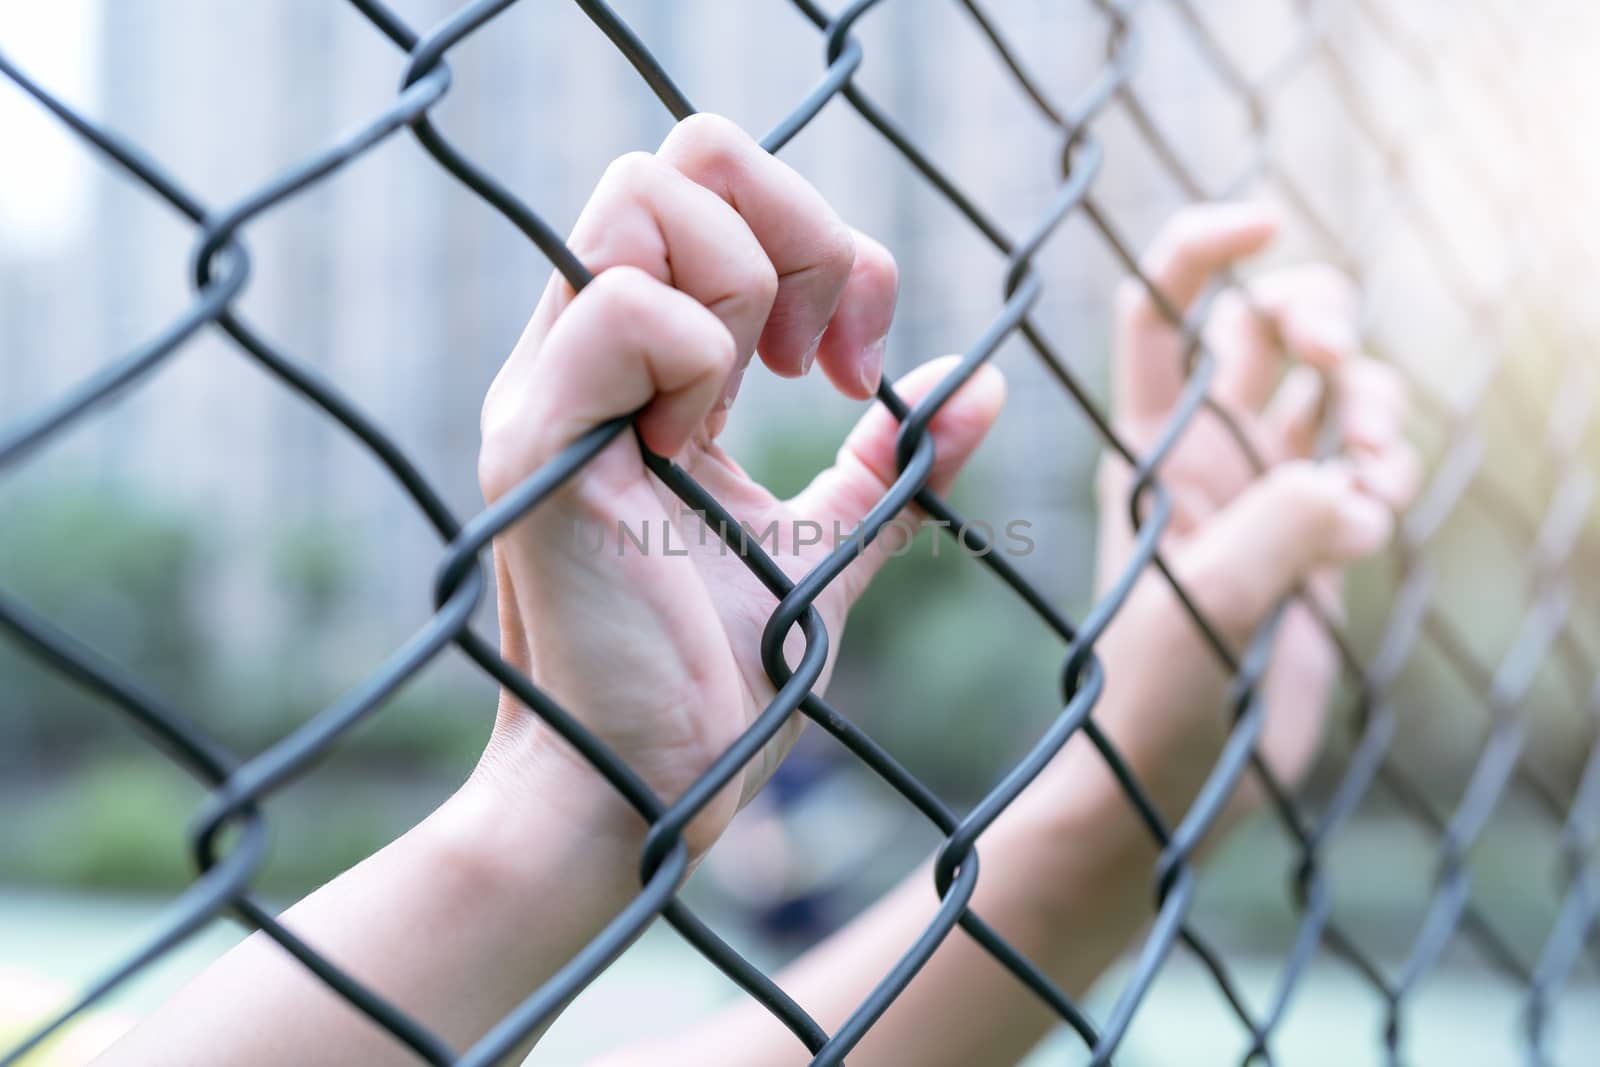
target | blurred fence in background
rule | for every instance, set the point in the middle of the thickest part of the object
(219, 539)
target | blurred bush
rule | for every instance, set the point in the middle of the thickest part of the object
(131, 579)
(116, 820)
(119, 574)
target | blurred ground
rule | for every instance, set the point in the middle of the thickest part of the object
(1464, 1014)
(1461, 1017)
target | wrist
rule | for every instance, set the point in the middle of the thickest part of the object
(527, 821)
(1085, 849)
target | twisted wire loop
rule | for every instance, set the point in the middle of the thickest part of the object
(1555, 544)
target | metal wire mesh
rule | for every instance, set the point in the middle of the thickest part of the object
(1552, 541)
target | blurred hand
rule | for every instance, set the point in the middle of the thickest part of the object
(704, 254)
(1239, 541)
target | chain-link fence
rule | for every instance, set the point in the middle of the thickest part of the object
(1517, 381)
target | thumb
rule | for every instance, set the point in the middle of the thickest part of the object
(865, 467)
(1298, 518)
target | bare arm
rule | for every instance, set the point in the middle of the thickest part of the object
(702, 253)
(441, 922)
(1067, 873)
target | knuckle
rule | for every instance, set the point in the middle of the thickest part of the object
(708, 144)
(709, 136)
(647, 314)
(650, 314)
(1369, 383)
(621, 280)
(836, 254)
(625, 291)
(759, 281)
(751, 288)
(872, 256)
(1307, 487)
(633, 171)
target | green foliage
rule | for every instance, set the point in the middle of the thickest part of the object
(426, 727)
(946, 668)
(114, 571)
(123, 820)
(130, 580)
(118, 821)
(785, 459)
(311, 566)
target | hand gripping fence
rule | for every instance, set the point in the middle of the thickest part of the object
(229, 836)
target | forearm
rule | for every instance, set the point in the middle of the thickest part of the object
(454, 924)
(1065, 879)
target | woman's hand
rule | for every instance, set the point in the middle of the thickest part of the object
(1240, 540)
(705, 254)
(702, 254)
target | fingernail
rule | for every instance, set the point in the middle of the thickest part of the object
(809, 356)
(732, 389)
(870, 369)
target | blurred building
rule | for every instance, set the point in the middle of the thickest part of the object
(407, 291)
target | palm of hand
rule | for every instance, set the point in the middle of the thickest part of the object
(704, 256)
(1239, 539)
